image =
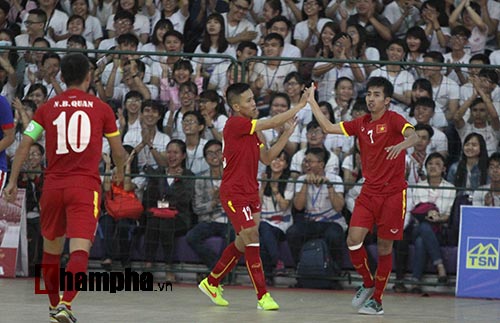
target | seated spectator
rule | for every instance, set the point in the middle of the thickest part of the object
(402, 14)
(193, 126)
(212, 220)
(435, 24)
(489, 194)
(119, 229)
(423, 88)
(446, 92)
(132, 80)
(76, 27)
(470, 14)
(281, 25)
(378, 32)
(93, 28)
(268, 76)
(401, 79)
(417, 45)
(323, 49)
(170, 82)
(34, 61)
(294, 85)
(123, 22)
(343, 99)
(333, 142)
(212, 108)
(103, 10)
(458, 41)
(148, 141)
(322, 203)
(488, 81)
(56, 20)
(276, 214)
(141, 26)
(424, 110)
(32, 181)
(35, 28)
(172, 121)
(482, 110)
(315, 139)
(415, 170)
(352, 169)
(48, 75)
(156, 45)
(129, 117)
(360, 50)
(426, 229)
(471, 170)
(23, 113)
(261, 13)
(177, 193)
(307, 31)
(338, 10)
(219, 80)
(175, 11)
(214, 42)
(279, 103)
(237, 27)
(327, 74)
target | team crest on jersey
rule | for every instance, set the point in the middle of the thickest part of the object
(381, 128)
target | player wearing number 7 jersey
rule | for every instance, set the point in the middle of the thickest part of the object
(239, 191)
(383, 138)
(74, 123)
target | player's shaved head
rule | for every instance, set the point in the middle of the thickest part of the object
(234, 92)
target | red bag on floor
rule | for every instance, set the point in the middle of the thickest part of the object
(121, 204)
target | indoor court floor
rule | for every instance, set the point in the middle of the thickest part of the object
(185, 303)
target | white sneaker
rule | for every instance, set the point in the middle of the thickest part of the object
(361, 296)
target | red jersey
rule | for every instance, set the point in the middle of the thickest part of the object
(74, 123)
(382, 176)
(241, 152)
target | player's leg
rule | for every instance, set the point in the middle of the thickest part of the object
(82, 211)
(52, 224)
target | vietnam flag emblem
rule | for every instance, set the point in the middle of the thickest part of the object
(381, 128)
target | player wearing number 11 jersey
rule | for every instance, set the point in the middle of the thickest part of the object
(383, 138)
(74, 123)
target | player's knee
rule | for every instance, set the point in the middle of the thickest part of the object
(250, 235)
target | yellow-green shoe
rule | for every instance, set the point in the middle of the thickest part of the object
(214, 293)
(267, 303)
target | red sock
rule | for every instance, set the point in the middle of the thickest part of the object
(226, 263)
(359, 260)
(50, 273)
(78, 262)
(384, 269)
(254, 267)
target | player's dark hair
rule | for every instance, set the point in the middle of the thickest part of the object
(382, 82)
(234, 91)
(74, 68)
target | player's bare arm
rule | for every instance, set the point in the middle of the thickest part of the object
(281, 118)
(268, 155)
(324, 123)
(411, 139)
(10, 191)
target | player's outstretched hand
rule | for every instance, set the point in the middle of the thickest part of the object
(289, 126)
(10, 192)
(393, 151)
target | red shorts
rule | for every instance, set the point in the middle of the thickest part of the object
(72, 212)
(386, 211)
(240, 213)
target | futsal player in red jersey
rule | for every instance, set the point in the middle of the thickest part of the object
(239, 191)
(383, 138)
(74, 123)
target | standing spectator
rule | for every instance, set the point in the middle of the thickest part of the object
(212, 220)
(439, 193)
(71, 181)
(276, 216)
(321, 196)
(381, 132)
(489, 194)
(178, 193)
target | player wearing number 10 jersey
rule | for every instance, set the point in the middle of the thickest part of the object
(74, 123)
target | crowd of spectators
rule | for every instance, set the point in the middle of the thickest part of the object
(171, 109)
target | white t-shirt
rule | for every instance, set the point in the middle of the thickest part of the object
(218, 124)
(209, 63)
(402, 82)
(133, 137)
(141, 24)
(232, 31)
(271, 213)
(463, 60)
(272, 135)
(195, 160)
(393, 13)
(177, 20)
(326, 82)
(93, 29)
(301, 31)
(273, 78)
(444, 92)
(490, 136)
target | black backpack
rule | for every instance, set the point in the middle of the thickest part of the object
(315, 268)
